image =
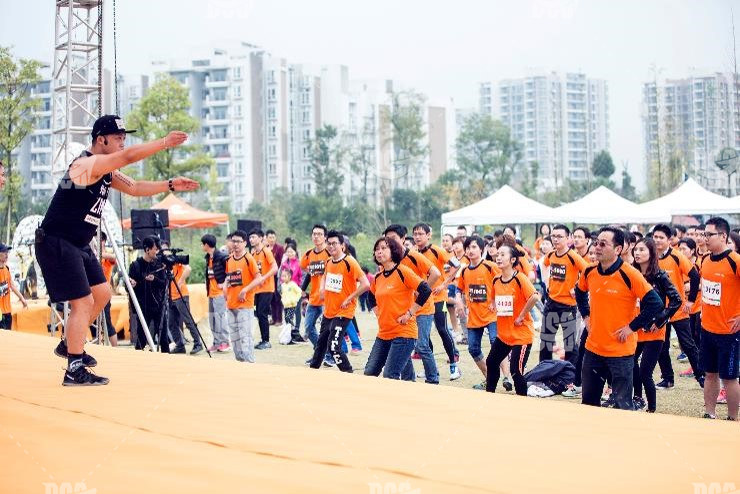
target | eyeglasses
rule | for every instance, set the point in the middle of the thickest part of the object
(710, 234)
(333, 243)
(602, 243)
(238, 241)
(557, 236)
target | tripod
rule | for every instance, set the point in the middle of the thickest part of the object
(165, 317)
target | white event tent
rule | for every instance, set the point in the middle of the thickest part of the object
(603, 206)
(503, 206)
(692, 198)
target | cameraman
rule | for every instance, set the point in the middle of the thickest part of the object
(215, 277)
(180, 306)
(148, 279)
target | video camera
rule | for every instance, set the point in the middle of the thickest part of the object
(170, 257)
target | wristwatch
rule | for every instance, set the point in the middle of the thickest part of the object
(170, 185)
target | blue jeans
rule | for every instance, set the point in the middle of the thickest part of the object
(393, 357)
(424, 323)
(475, 336)
(354, 338)
(312, 314)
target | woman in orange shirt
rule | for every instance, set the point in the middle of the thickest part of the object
(650, 341)
(396, 295)
(514, 297)
(687, 246)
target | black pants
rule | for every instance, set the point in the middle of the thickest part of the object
(695, 320)
(330, 339)
(262, 311)
(180, 313)
(6, 321)
(290, 316)
(440, 322)
(519, 355)
(159, 337)
(579, 360)
(688, 346)
(556, 316)
(595, 371)
(108, 323)
(642, 374)
(276, 304)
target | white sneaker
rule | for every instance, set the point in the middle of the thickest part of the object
(455, 375)
(572, 392)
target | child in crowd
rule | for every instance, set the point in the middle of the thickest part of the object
(290, 294)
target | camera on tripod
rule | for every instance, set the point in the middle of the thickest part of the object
(170, 257)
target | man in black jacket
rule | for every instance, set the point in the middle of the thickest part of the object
(147, 277)
(215, 277)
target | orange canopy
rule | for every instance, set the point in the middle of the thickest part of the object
(183, 215)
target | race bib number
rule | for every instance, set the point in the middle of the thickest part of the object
(235, 278)
(478, 293)
(333, 283)
(557, 272)
(4, 288)
(316, 268)
(210, 273)
(504, 305)
(259, 266)
(711, 292)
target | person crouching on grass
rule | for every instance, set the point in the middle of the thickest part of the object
(396, 295)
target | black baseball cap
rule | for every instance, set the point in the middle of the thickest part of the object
(109, 124)
(4, 248)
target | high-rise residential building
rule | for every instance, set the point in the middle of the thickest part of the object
(687, 122)
(130, 90)
(560, 121)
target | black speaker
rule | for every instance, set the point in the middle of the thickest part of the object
(149, 218)
(139, 234)
(248, 225)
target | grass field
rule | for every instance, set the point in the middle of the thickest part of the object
(685, 398)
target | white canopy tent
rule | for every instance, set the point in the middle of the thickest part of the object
(603, 206)
(503, 206)
(692, 198)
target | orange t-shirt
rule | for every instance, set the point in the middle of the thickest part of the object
(314, 263)
(5, 281)
(420, 265)
(525, 262)
(696, 308)
(395, 292)
(107, 265)
(720, 291)
(613, 298)
(240, 273)
(476, 285)
(564, 272)
(340, 281)
(511, 297)
(214, 290)
(438, 257)
(677, 266)
(265, 259)
(177, 270)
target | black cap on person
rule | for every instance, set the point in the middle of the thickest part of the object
(109, 124)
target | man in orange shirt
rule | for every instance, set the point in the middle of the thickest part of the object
(422, 234)
(263, 295)
(720, 319)
(313, 262)
(6, 286)
(678, 268)
(180, 307)
(342, 283)
(560, 309)
(607, 294)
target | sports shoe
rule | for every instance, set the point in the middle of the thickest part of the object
(455, 374)
(664, 384)
(178, 349)
(682, 357)
(61, 351)
(605, 396)
(328, 362)
(572, 392)
(708, 416)
(731, 419)
(457, 359)
(480, 386)
(223, 348)
(355, 352)
(297, 339)
(416, 356)
(507, 384)
(687, 373)
(212, 348)
(196, 350)
(83, 377)
(722, 397)
(263, 345)
(610, 402)
(638, 403)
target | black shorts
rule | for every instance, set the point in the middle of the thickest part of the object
(719, 354)
(6, 321)
(69, 271)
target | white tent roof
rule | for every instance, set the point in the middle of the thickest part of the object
(603, 206)
(503, 206)
(692, 198)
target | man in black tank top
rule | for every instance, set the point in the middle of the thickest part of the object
(70, 269)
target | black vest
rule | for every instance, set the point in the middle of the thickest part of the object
(75, 211)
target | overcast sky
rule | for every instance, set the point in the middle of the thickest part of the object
(443, 48)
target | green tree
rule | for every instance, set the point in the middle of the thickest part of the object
(603, 166)
(326, 161)
(362, 161)
(17, 119)
(487, 157)
(529, 182)
(163, 109)
(406, 119)
(627, 190)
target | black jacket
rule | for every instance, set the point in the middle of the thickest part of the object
(149, 293)
(219, 267)
(668, 292)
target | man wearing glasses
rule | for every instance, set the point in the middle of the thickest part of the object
(560, 309)
(314, 262)
(720, 319)
(607, 294)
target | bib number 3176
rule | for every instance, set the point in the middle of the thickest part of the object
(711, 292)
